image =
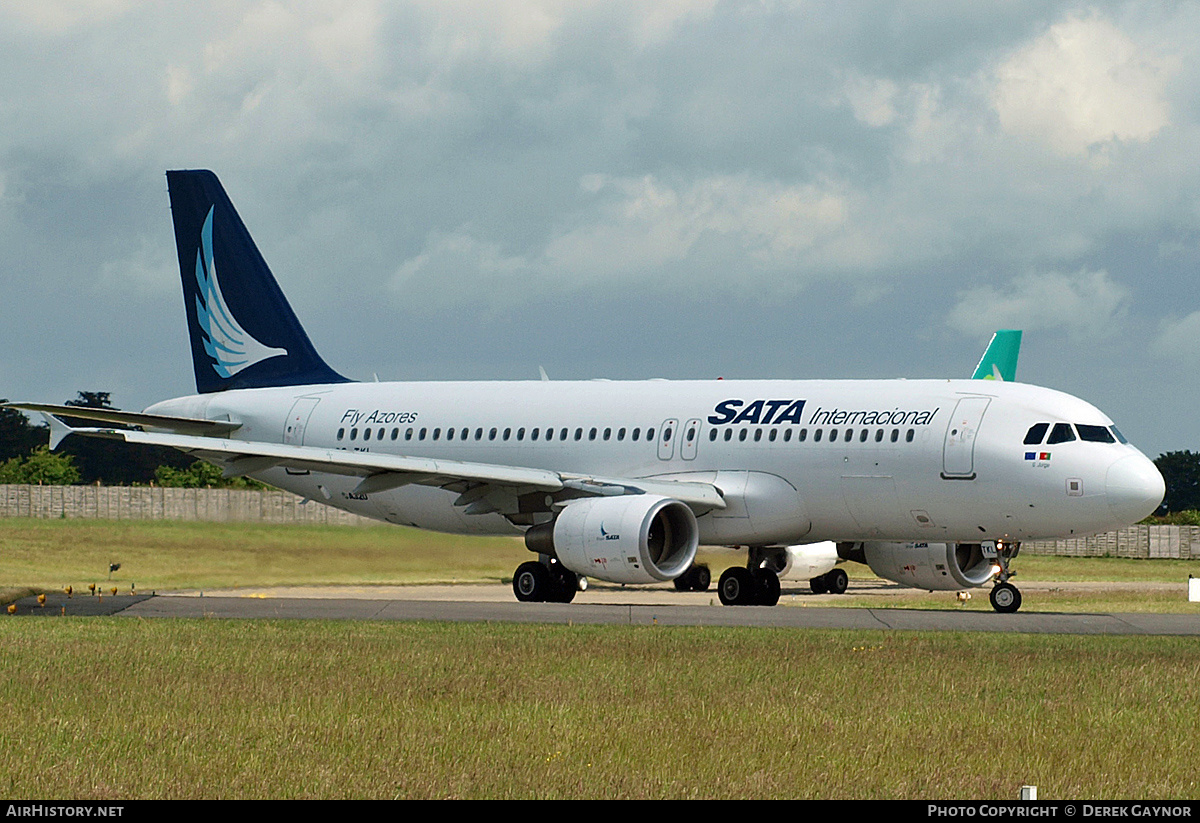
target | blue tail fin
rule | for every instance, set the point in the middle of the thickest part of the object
(244, 334)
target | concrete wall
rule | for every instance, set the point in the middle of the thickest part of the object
(157, 503)
(1180, 542)
(274, 506)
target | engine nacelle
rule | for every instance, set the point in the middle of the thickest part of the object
(804, 562)
(930, 566)
(640, 538)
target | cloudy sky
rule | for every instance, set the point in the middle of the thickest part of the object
(463, 189)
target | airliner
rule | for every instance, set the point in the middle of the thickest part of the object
(933, 484)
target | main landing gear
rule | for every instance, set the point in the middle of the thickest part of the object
(546, 581)
(1005, 597)
(696, 579)
(740, 586)
(832, 582)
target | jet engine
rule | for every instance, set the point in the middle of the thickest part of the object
(629, 539)
(930, 566)
(804, 562)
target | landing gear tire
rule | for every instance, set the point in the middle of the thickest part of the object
(532, 582)
(742, 587)
(838, 580)
(768, 587)
(1006, 598)
(695, 579)
(565, 584)
(736, 587)
(819, 585)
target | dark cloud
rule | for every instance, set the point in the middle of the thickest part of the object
(467, 189)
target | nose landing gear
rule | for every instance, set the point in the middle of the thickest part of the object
(1005, 597)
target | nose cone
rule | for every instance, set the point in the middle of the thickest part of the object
(1134, 488)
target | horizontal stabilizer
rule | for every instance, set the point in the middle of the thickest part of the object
(180, 425)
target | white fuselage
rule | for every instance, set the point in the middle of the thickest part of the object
(796, 461)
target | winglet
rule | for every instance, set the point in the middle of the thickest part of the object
(999, 361)
(59, 431)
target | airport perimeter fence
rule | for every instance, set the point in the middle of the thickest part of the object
(275, 506)
(159, 503)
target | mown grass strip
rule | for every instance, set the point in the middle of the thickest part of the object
(118, 709)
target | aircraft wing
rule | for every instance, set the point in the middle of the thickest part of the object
(483, 487)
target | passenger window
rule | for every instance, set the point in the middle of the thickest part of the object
(879, 435)
(620, 434)
(832, 436)
(492, 434)
(787, 435)
(437, 433)
(354, 434)
(1061, 433)
(728, 434)
(507, 434)
(366, 434)
(1036, 433)
(579, 434)
(742, 435)
(849, 435)
(395, 433)
(592, 434)
(774, 433)
(341, 433)
(712, 435)
(895, 435)
(757, 435)
(908, 438)
(649, 434)
(608, 434)
(636, 433)
(562, 434)
(379, 434)
(1094, 434)
(862, 438)
(521, 434)
(533, 435)
(803, 436)
(817, 436)
(407, 434)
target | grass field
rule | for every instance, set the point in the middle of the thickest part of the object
(123, 709)
(119, 709)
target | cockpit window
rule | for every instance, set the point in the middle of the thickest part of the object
(1061, 433)
(1120, 437)
(1036, 433)
(1094, 434)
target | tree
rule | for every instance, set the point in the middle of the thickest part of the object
(18, 438)
(112, 462)
(41, 468)
(201, 475)
(1181, 471)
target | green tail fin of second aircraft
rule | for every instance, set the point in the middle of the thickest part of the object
(999, 361)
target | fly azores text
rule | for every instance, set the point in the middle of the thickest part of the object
(381, 417)
(775, 412)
